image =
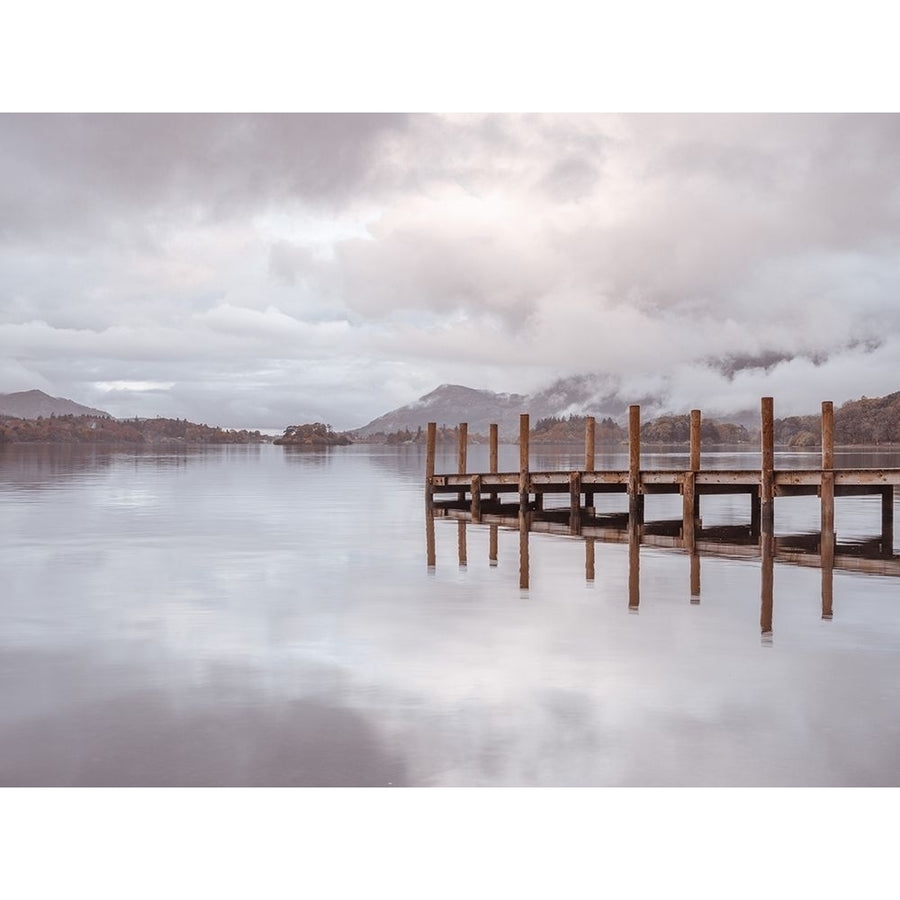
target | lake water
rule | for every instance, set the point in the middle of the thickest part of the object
(259, 615)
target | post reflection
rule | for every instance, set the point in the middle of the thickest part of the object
(767, 577)
(695, 576)
(429, 541)
(524, 564)
(461, 540)
(827, 557)
(634, 565)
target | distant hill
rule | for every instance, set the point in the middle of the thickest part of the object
(451, 404)
(37, 404)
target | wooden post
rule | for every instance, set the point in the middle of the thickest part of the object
(767, 467)
(827, 434)
(476, 498)
(494, 444)
(826, 493)
(429, 466)
(492, 547)
(524, 489)
(589, 558)
(590, 433)
(695, 457)
(463, 450)
(575, 502)
(635, 498)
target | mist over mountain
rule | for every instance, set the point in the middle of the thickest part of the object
(34, 404)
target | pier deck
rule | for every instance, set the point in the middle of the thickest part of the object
(482, 493)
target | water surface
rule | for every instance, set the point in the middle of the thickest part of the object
(261, 615)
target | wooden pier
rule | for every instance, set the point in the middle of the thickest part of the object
(522, 494)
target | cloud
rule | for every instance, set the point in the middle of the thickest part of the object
(225, 253)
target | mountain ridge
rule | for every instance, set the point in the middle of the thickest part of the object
(35, 404)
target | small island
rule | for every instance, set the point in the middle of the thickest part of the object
(316, 434)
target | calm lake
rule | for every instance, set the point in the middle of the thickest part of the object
(261, 615)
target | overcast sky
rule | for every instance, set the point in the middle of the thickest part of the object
(268, 270)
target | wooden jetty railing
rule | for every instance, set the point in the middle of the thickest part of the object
(487, 493)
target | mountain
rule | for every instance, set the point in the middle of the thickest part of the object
(35, 404)
(450, 404)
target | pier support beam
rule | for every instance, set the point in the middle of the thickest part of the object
(524, 490)
(635, 497)
(475, 508)
(826, 493)
(590, 431)
(463, 432)
(575, 502)
(767, 467)
(690, 497)
(493, 463)
(430, 439)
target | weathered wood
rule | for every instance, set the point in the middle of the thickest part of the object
(463, 447)
(695, 440)
(635, 497)
(688, 512)
(827, 434)
(590, 458)
(494, 451)
(524, 486)
(492, 546)
(767, 467)
(589, 559)
(575, 502)
(430, 441)
(476, 498)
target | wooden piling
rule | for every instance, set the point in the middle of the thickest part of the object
(589, 559)
(463, 436)
(494, 445)
(475, 507)
(826, 491)
(590, 434)
(635, 498)
(524, 568)
(492, 547)
(524, 490)
(767, 467)
(430, 440)
(429, 541)
(575, 502)
(690, 496)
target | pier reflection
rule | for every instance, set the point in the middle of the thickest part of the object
(820, 550)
